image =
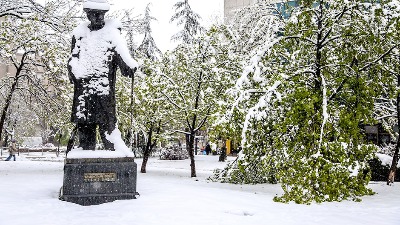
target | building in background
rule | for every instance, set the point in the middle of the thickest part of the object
(231, 6)
(23, 110)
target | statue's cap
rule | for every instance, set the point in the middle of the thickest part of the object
(96, 5)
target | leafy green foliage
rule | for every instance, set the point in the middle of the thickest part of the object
(316, 86)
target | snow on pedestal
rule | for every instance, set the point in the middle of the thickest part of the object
(121, 150)
(78, 153)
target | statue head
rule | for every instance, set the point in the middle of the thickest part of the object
(95, 11)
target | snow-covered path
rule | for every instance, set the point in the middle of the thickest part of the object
(29, 195)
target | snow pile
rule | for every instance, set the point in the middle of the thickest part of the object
(386, 160)
(119, 144)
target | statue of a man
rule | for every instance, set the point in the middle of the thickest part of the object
(98, 49)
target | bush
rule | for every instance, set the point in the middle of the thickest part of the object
(174, 152)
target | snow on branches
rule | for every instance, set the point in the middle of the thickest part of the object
(184, 15)
(318, 74)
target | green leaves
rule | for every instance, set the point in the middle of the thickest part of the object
(329, 61)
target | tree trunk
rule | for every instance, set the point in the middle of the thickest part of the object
(147, 151)
(149, 146)
(144, 162)
(146, 155)
(393, 167)
(12, 90)
(8, 103)
(190, 148)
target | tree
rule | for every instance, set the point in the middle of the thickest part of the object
(154, 114)
(387, 106)
(190, 20)
(145, 105)
(252, 29)
(253, 26)
(35, 45)
(44, 14)
(148, 47)
(312, 89)
(196, 78)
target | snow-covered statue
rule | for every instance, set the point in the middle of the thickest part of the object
(98, 49)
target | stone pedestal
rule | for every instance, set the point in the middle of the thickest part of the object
(93, 181)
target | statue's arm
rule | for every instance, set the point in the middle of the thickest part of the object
(70, 74)
(126, 63)
(127, 70)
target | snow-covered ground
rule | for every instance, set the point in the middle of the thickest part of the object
(29, 195)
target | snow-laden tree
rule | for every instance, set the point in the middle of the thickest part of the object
(143, 111)
(34, 11)
(251, 30)
(148, 46)
(34, 45)
(154, 115)
(184, 15)
(387, 106)
(253, 26)
(132, 25)
(310, 91)
(196, 78)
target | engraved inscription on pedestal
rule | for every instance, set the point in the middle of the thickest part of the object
(100, 177)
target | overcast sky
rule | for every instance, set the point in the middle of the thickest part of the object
(163, 11)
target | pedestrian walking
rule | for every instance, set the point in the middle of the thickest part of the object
(12, 149)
